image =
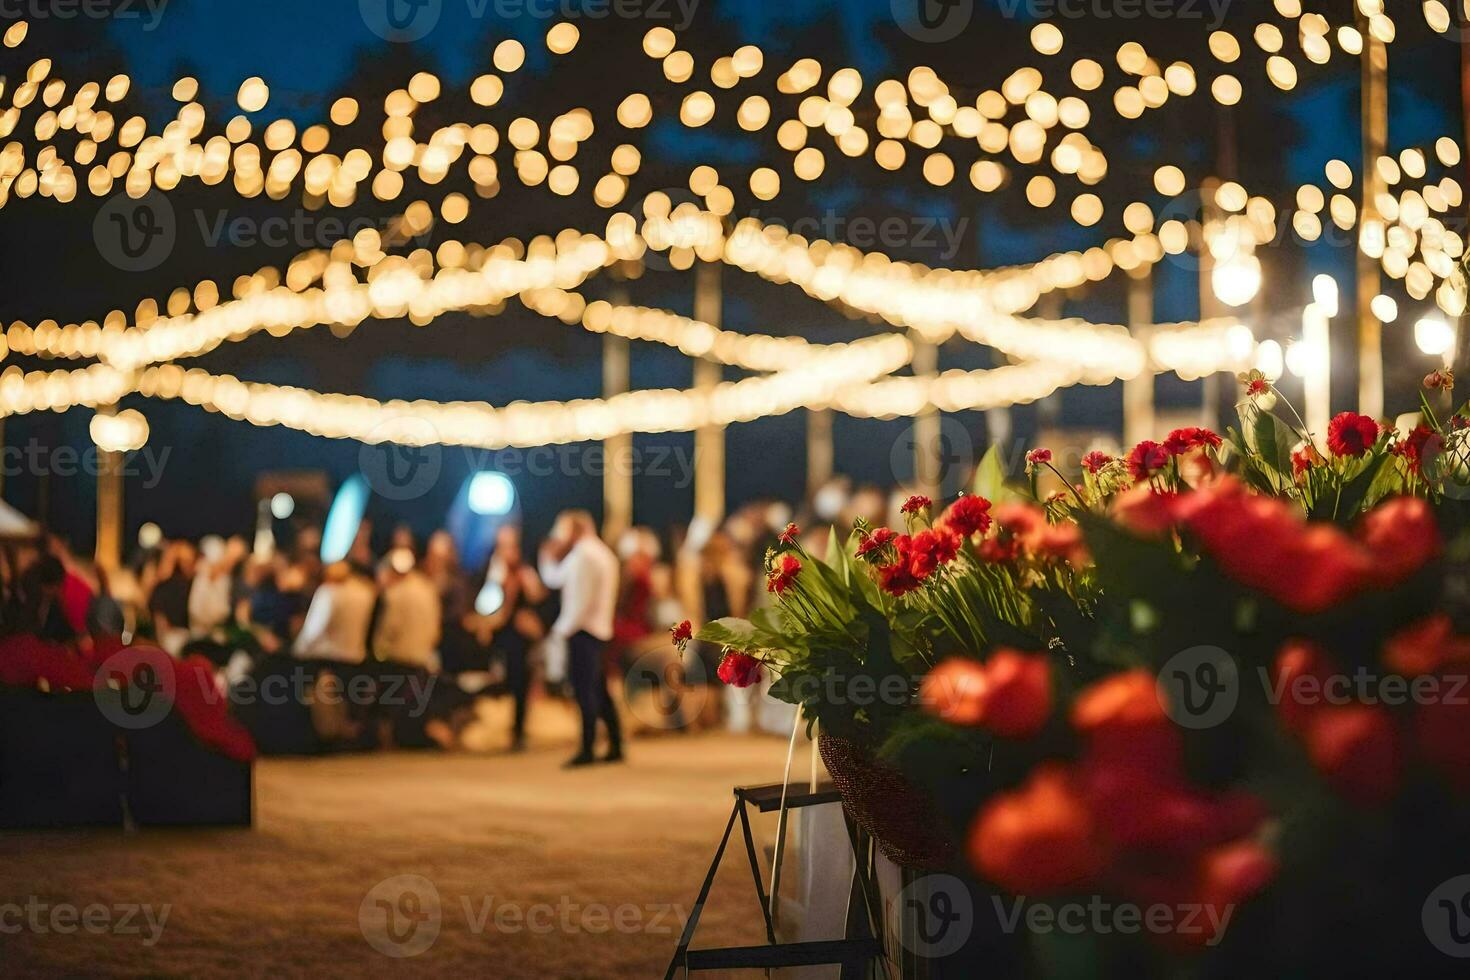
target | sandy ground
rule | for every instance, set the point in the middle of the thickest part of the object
(533, 872)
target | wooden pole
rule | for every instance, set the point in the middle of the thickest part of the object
(1209, 305)
(819, 454)
(1049, 409)
(1462, 345)
(109, 509)
(709, 440)
(1138, 391)
(1317, 386)
(927, 434)
(617, 451)
(1375, 144)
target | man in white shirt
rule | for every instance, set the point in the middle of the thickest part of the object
(575, 560)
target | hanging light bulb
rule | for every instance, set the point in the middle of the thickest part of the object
(1434, 336)
(1237, 280)
(1386, 308)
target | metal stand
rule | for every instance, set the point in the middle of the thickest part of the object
(853, 953)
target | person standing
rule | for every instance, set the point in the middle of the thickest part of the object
(575, 560)
(514, 625)
(407, 629)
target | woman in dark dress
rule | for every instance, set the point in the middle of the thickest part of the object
(506, 609)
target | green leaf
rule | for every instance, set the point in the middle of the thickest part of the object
(771, 619)
(990, 480)
(1272, 441)
(731, 632)
(1427, 411)
(1386, 481)
(1355, 491)
(838, 557)
(784, 688)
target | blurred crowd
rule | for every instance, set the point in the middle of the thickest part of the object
(412, 609)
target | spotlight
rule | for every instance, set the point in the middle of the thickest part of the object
(491, 494)
(1237, 280)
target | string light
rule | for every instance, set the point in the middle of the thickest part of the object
(980, 305)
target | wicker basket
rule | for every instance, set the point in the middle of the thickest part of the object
(898, 815)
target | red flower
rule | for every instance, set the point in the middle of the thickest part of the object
(898, 579)
(1237, 871)
(1401, 535)
(1124, 725)
(1227, 876)
(1301, 672)
(1443, 378)
(1260, 542)
(1095, 461)
(1143, 810)
(1000, 549)
(915, 504)
(1010, 694)
(1257, 387)
(877, 539)
(1351, 434)
(789, 536)
(1037, 457)
(1039, 838)
(1181, 441)
(1029, 529)
(1356, 747)
(1020, 519)
(783, 575)
(1421, 444)
(929, 549)
(1304, 458)
(968, 515)
(1307, 567)
(682, 633)
(1063, 541)
(739, 669)
(1146, 511)
(1017, 698)
(955, 691)
(1425, 646)
(1146, 459)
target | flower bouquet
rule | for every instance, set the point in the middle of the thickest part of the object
(1203, 711)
